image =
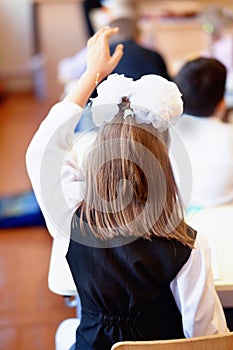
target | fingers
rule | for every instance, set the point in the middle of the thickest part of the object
(99, 57)
(103, 33)
(110, 31)
(97, 35)
(118, 53)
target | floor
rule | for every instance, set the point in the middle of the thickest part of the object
(29, 312)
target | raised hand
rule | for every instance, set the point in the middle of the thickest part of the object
(99, 59)
(100, 63)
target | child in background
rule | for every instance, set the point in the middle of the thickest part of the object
(207, 139)
(136, 62)
(217, 23)
(140, 271)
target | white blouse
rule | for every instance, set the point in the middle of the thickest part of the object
(59, 187)
(209, 146)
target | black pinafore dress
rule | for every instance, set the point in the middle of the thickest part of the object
(124, 288)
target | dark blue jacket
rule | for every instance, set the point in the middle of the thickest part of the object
(138, 61)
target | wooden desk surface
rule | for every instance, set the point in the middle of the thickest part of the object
(217, 225)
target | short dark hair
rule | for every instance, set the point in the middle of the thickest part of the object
(202, 84)
(128, 29)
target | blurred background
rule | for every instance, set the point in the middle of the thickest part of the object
(35, 37)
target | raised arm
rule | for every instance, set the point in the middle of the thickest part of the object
(55, 178)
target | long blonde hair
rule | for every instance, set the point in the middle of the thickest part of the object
(131, 190)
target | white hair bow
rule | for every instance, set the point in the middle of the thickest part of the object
(153, 99)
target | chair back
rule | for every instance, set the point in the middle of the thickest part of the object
(211, 342)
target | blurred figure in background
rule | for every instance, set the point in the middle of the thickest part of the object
(137, 61)
(208, 140)
(88, 6)
(217, 22)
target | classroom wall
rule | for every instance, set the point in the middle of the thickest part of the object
(51, 29)
(62, 33)
(15, 39)
(56, 21)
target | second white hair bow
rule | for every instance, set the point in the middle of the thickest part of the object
(153, 99)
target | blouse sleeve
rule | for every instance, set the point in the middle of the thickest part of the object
(52, 167)
(195, 295)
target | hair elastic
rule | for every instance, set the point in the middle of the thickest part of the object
(128, 112)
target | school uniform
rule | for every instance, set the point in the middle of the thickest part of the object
(138, 61)
(124, 288)
(141, 289)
